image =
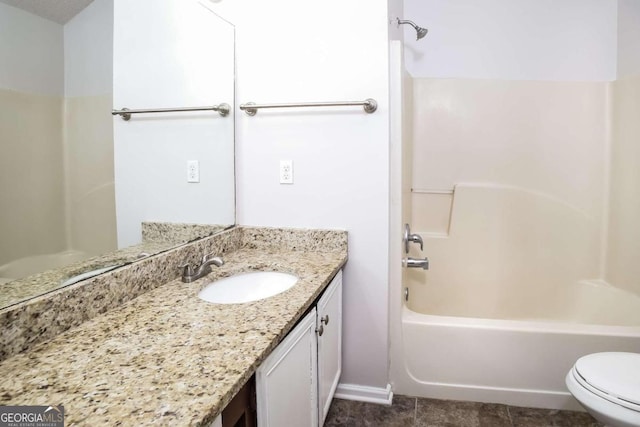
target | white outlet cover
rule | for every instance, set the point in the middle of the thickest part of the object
(193, 171)
(286, 171)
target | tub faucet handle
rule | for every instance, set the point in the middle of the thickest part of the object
(411, 238)
(415, 238)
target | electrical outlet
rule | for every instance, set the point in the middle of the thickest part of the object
(286, 171)
(193, 171)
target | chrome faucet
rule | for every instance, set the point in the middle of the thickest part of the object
(411, 238)
(409, 262)
(189, 275)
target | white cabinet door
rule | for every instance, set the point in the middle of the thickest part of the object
(286, 382)
(329, 344)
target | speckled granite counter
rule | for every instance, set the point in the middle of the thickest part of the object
(167, 357)
(156, 237)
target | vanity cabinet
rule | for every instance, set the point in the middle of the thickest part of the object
(296, 382)
(329, 327)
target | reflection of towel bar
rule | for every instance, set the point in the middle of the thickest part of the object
(126, 113)
(369, 105)
(423, 191)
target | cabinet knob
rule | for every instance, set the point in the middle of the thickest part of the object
(320, 330)
(325, 319)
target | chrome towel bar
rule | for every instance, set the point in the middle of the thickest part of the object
(369, 105)
(125, 113)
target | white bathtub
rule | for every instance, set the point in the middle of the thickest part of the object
(507, 307)
(27, 266)
(517, 362)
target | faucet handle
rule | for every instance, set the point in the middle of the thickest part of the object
(187, 270)
(408, 237)
(416, 238)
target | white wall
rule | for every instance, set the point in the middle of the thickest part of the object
(628, 37)
(173, 53)
(395, 10)
(513, 39)
(88, 51)
(31, 49)
(334, 50)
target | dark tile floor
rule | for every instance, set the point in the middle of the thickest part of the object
(412, 411)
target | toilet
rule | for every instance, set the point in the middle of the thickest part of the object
(608, 386)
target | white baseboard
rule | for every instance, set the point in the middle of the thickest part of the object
(361, 393)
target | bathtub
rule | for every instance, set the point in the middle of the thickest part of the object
(516, 362)
(504, 311)
(28, 266)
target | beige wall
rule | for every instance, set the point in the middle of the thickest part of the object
(88, 143)
(56, 169)
(56, 153)
(510, 181)
(546, 183)
(623, 268)
(623, 244)
(31, 175)
(541, 136)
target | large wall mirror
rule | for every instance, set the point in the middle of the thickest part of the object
(77, 182)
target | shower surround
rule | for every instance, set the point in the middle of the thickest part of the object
(523, 193)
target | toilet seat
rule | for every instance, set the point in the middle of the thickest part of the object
(611, 376)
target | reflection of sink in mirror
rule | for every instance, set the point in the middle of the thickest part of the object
(27, 266)
(20, 280)
(89, 274)
(247, 287)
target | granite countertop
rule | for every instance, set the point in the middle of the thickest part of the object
(22, 289)
(157, 237)
(167, 357)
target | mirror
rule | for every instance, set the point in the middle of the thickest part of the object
(77, 182)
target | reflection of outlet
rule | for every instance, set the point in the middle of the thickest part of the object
(193, 171)
(286, 171)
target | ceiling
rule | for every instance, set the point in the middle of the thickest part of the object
(60, 11)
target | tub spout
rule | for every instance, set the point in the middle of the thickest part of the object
(416, 263)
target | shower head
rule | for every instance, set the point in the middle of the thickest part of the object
(421, 32)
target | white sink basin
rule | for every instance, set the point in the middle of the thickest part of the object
(247, 287)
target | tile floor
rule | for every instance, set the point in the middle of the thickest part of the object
(412, 411)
